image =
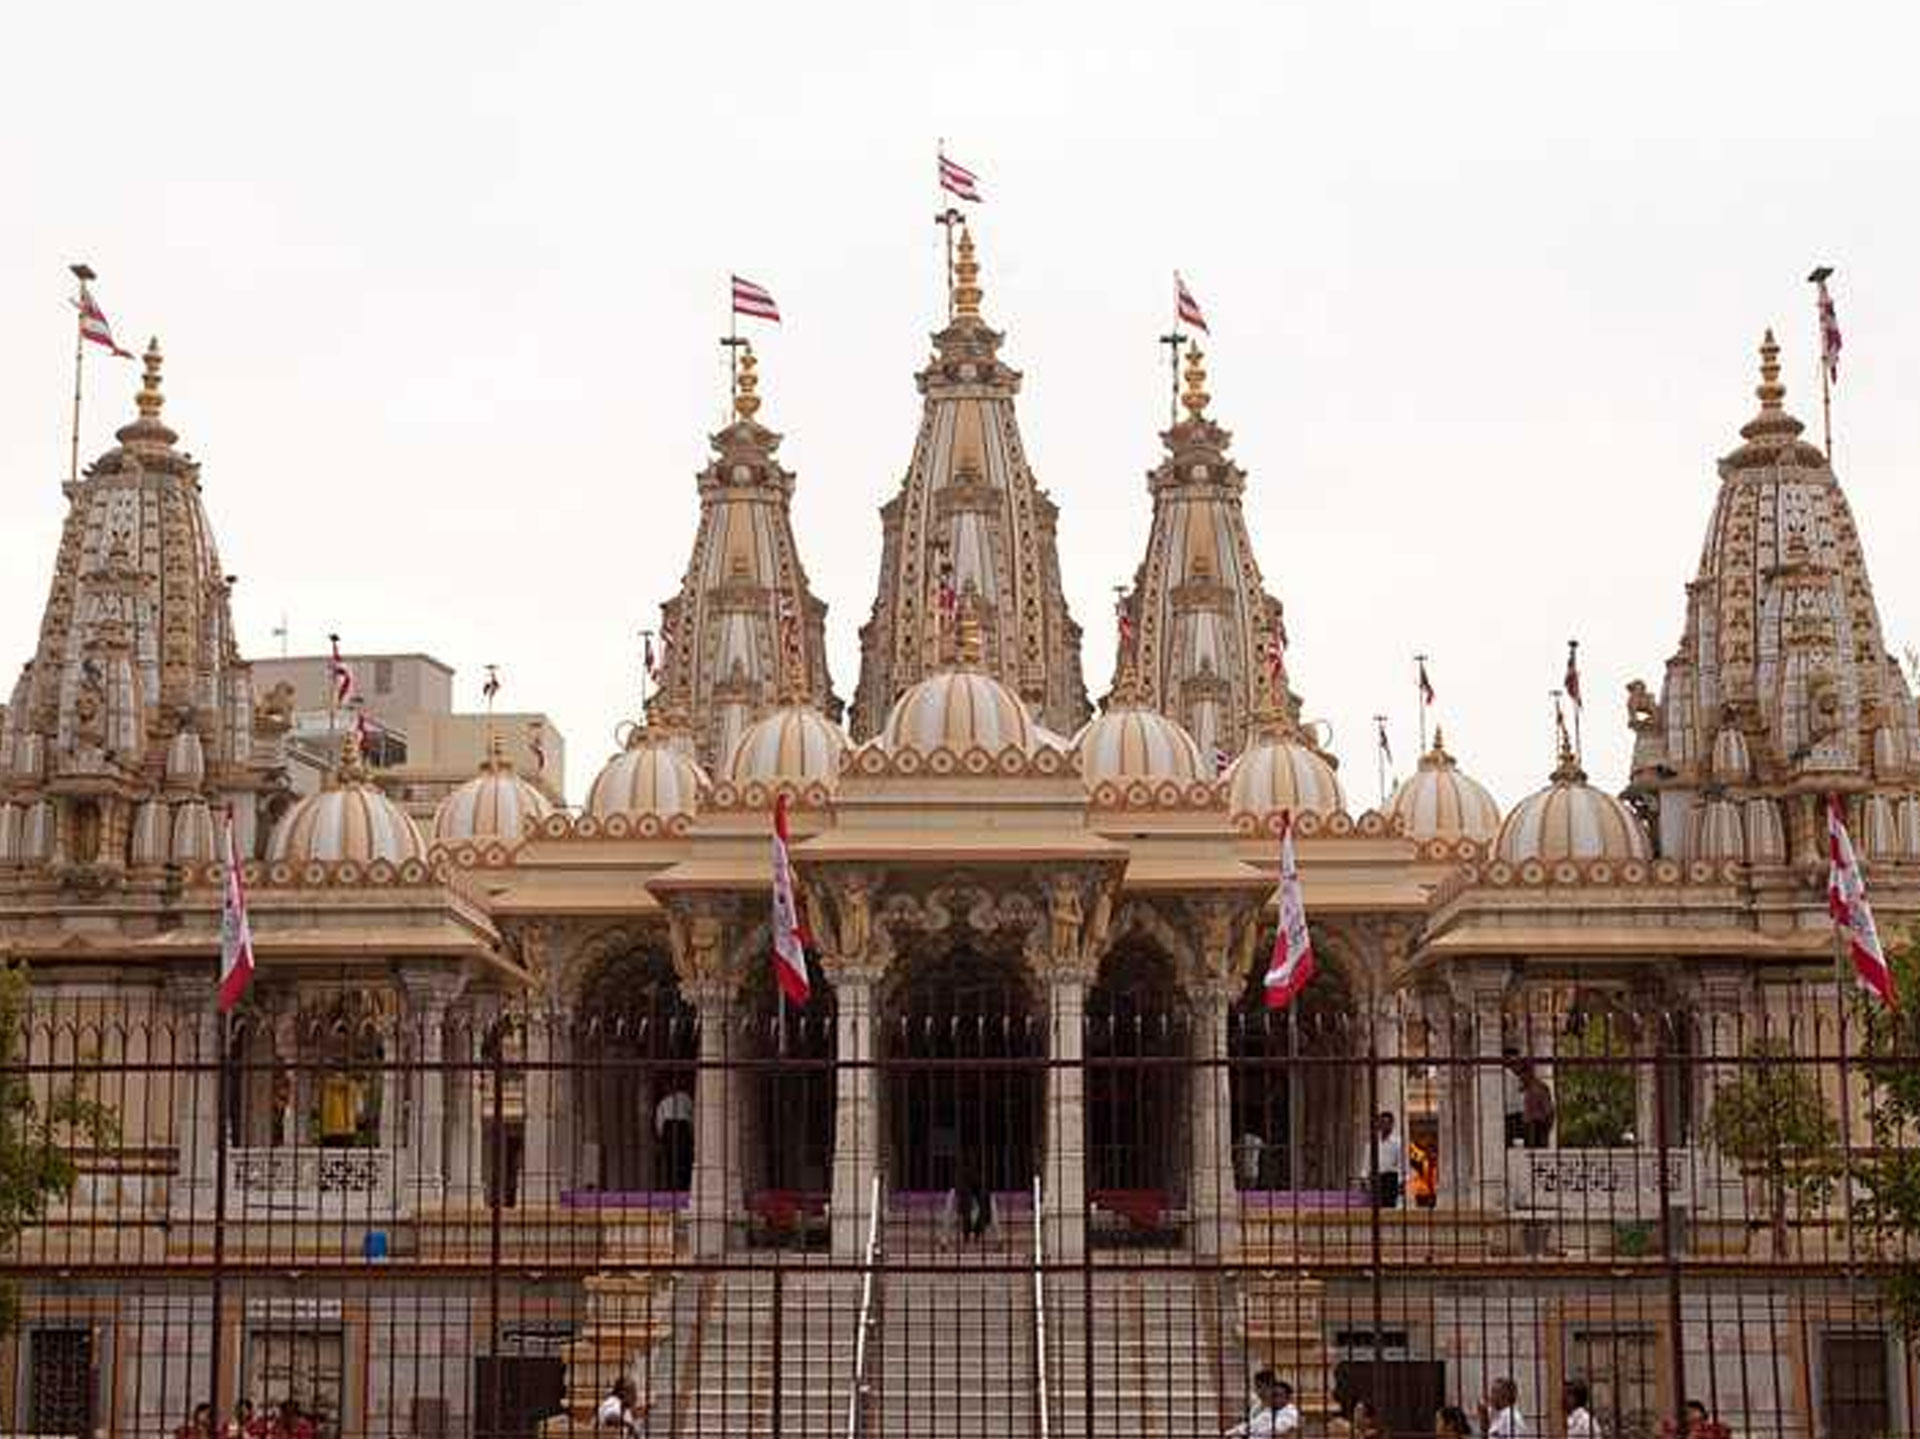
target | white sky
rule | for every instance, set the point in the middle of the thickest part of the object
(439, 287)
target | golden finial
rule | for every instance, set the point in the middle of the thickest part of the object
(966, 279)
(1196, 396)
(972, 644)
(1770, 390)
(150, 399)
(745, 402)
(496, 753)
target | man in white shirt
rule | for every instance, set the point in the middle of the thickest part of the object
(1390, 1179)
(1500, 1416)
(1274, 1414)
(673, 1127)
(616, 1410)
(1580, 1421)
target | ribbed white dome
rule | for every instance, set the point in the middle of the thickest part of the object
(497, 803)
(959, 710)
(1716, 831)
(1908, 812)
(193, 833)
(1130, 741)
(353, 821)
(794, 742)
(1732, 764)
(186, 761)
(1280, 773)
(1570, 819)
(653, 775)
(152, 832)
(1441, 801)
(1879, 829)
(1766, 834)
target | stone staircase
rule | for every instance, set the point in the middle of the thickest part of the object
(725, 1381)
(1165, 1360)
(1286, 1331)
(955, 1356)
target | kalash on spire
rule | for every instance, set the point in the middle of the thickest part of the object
(745, 633)
(970, 521)
(1203, 621)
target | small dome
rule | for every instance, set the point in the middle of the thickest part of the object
(1281, 770)
(959, 710)
(1441, 801)
(193, 836)
(1892, 756)
(653, 775)
(1766, 833)
(1570, 819)
(9, 834)
(794, 742)
(349, 820)
(151, 830)
(1909, 820)
(186, 760)
(1879, 829)
(497, 803)
(1732, 764)
(1715, 830)
(1130, 741)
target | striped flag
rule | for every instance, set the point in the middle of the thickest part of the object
(1847, 902)
(1571, 684)
(1386, 747)
(1292, 964)
(1186, 308)
(754, 300)
(789, 938)
(1222, 761)
(339, 676)
(236, 935)
(1123, 617)
(93, 323)
(958, 180)
(1829, 328)
(1426, 685)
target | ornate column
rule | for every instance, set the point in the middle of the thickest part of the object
(1068, 957)
(541, 1106)
(466, 1115)
(1226, 932)
(429, 991)
(1454, 1094)
(840, 911)
(1483, 992)
(196, 1089)
(716, 1196)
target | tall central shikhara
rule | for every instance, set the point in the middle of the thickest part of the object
(970, 525)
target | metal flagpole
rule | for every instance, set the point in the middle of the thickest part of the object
(1172, 340)
(1819, 278)
(1420, 668)
(1380, 755)
(83, 273)
(948, 217)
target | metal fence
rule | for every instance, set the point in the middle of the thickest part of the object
(464, 1217)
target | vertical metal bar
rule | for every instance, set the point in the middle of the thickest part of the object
(496, 1235)
(1378, 1389)
(1669, 1241)
(217, 1289)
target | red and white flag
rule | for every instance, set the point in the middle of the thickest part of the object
(1123, 618)
(1572, 681)
(1386, 746)
(789, 936)
(754, 300)
(339, 675)
(1426, 685)
(647, 657)
(1222, 761)
(1847, 902)
(236, 935)
(1186, 309)
(1292, 963)
(93, 323)
(959, 180)
(1829, 329)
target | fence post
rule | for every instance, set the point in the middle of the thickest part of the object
(1669, 1240)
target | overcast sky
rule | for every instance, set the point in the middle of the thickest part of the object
(440, 286)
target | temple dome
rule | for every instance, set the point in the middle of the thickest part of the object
(497, 803)
(959, 710)
(1130, 741)
(1717, 831)
(794, 742)
(349, 820)
(1570, 819)
(1441, 801)
(652, 775)
(1283, 770)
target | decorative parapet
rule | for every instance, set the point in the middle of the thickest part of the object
(1140, 794)
(431, 873)
(570, 827)
(870, 761)
(759, 795)
(1308, 825)
(1590, 874)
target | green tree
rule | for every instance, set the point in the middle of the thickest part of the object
(39, 1132)
(1887, 1181)
(1772, 1120)
(1596, 1103)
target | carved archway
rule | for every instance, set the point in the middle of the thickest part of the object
(1137, 1041)
(635, 1039)
(786, 1093)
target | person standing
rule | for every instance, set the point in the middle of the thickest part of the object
(1391, 1162)
(1499, 1414)
(673, 1128)
(1580, 1421)
(616, 1411)
(1274, 1412)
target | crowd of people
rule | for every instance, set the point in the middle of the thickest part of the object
(285, 1420)
(1498, 1416)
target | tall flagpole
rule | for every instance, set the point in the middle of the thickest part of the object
(1420, 690)
(1819, 278)
(83, 273)
(1173, 339)
(1380, 755)
(948, 217)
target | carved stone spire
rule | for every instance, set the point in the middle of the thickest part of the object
(1781, 684)
(1202, 619)
(136, 697)
(970, 515)
(745, 632)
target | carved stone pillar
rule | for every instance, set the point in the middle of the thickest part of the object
(1064, 1178)
(466, 1113)
(429, 991)
(1454, 1095)
(856, 1123)
(716, 1196)
(1212, 1198)
(1484, 992)
(541, 1103)
(195, 1028)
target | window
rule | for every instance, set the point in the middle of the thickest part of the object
(1853, 1384)
(306, 1365)
(383, 677)
(1620, 1369)
(60, 1383)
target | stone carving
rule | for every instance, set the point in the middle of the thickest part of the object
(1643, 710)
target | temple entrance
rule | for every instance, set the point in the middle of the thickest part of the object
(1297, 1124)
(638, 1042)
(787, 1089)
(964, 1048)
(1137, 1036)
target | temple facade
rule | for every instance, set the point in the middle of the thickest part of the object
(543, 1038)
